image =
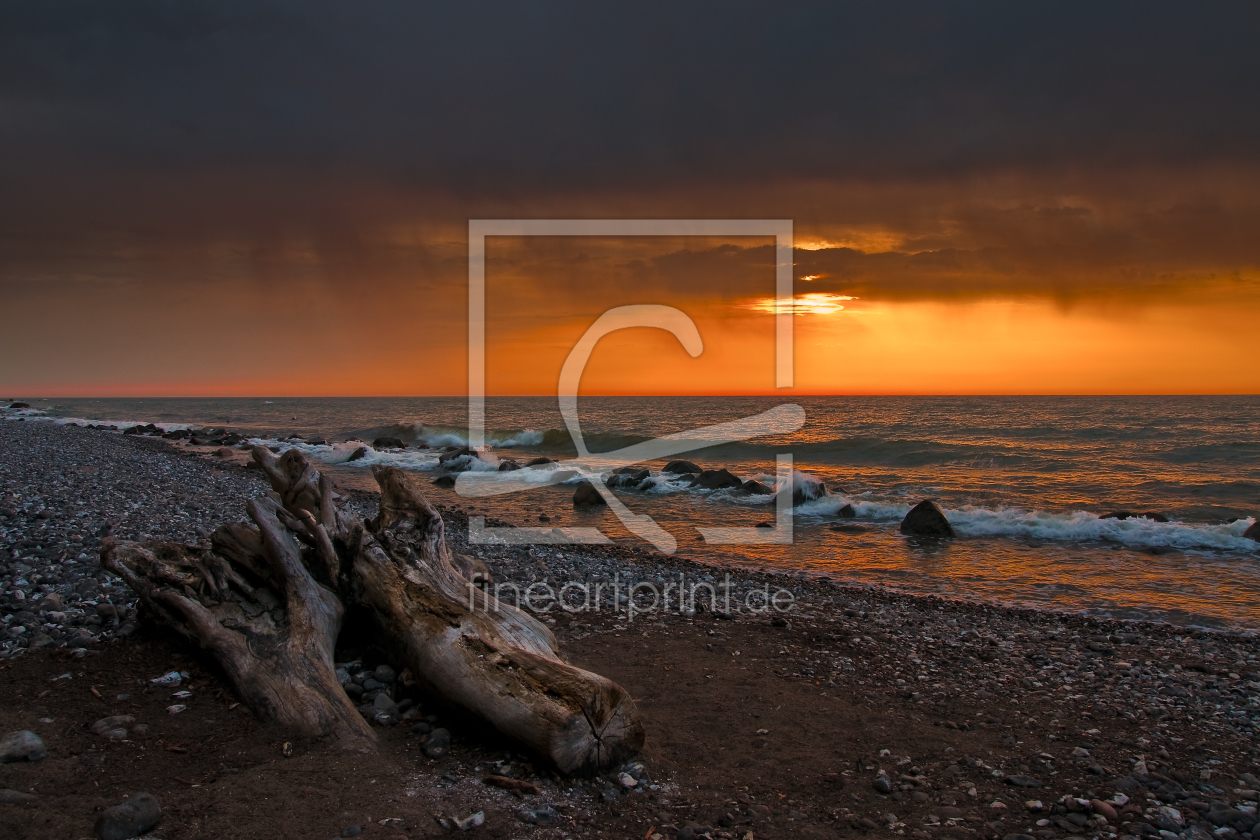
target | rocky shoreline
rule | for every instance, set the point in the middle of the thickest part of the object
(938, 718)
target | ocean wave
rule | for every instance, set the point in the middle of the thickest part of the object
(440, 436)
(42, 414)
(1077, 526)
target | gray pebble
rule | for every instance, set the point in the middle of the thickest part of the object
(22, 746)
(134, 817)
(438, 744)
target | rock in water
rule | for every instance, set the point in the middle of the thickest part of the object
(847, 512)
(1253, 533)
(444, 481)
(388, 443)
(458, 452)
(131, 819)
(587, 496)
(718, 479)
(628, 478)
(681, 467)
(1154, 516)
(360, 452)
(757, 488)
(806, 488)
(926, 520)
(22, 746)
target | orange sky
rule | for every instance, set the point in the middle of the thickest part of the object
(274, 199)
(391, 337)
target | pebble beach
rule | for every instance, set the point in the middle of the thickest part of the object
(858, 709)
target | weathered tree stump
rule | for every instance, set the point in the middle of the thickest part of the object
(268, 602)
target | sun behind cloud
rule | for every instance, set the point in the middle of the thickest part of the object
(813, 303)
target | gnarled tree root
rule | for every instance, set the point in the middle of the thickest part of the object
(268, 601)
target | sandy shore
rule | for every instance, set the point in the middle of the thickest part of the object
(858, 710)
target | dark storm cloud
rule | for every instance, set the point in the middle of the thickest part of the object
(286, 142)
(518, 96)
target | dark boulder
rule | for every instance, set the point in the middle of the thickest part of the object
(19, 405)
(538, 462)
(357, 454)
(448, 459)
(757, 488)
(847, 512)
(681, 467)
(1253, 533)
(926, 520)
(628, 478)
(389, 443)
(457, 452)
(806, 488)
(587, 496)
(444, 481)
(718, 479)
(508, 465)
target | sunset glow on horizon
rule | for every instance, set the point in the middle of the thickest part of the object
(253, 241)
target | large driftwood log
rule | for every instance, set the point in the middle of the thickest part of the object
(271, 627)
(478, 653)
(268, 601)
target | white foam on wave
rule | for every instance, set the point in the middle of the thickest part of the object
(1083, 525)
(42, 414)
(340, 454)
(449, 436)
(1077, 526)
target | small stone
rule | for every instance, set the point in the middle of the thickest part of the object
(1104, 809)
(384, 705)
(22, 746)
(627, 781)
(133, 818)
(1023, 781)
(384, 675)
(545, 815)
(9, 796)
(882, 784)
(438, 744)
(352, 831)
(421, 728)
(111, 723)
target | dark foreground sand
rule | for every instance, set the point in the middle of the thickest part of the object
(756, 724)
